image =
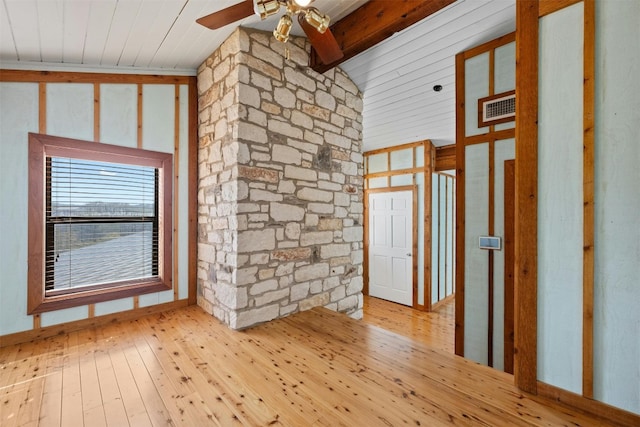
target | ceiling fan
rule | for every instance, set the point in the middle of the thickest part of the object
(314, 23)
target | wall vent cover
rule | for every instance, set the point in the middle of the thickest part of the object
(496, 109)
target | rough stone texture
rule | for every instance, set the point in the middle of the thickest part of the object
(280, 183)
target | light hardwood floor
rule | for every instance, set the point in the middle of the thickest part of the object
(314, 368)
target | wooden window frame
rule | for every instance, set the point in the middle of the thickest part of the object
(43, 146)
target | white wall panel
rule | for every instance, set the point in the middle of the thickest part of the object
(64, 316)
(70, 110)
(402, 159)
(476, 269)
(18, 116)
(119, 114)
(505, 74)
(115, 306)
(442, 205)
(69, 113)
(476, 72)
(617, 154)
(504, 150)
(158, 118)
(451, 197)
(560, 206)
(435, 241)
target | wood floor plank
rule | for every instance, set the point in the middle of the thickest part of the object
(316, 368)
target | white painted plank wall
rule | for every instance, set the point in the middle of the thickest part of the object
(560, 202)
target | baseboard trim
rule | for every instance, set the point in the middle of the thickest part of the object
(607, 412)
(65, 328)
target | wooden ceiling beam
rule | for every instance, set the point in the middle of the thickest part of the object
(374, 22)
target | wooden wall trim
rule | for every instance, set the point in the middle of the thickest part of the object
(588, 266)
(609, 414)
(28, 76)
(193, 191)
(509, 220)
(65, 328)
(549, 6)
(526, 227)
(445, 158)
(96, 112)
(460, 208)
(429, 156)
(395, 148)
(488, 46)
(176, 190)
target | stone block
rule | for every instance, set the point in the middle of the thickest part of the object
(247, 318)
(284, 97)
(311, 272)
(231, 296)
(305, 174)
(256, 195)
(264, 286)
(293, 254)
(285, 212)
(314, 195)
(272, 296)
(256, 240)
(316, 238)
(258, 174)
(315, 301)
(335, 250)
(299, 291)
(285, 154)
(250, 132)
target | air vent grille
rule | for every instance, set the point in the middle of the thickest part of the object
(496, 109)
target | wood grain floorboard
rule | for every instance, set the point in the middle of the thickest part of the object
(316, 368)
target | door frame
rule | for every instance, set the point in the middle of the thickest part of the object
(414, 236)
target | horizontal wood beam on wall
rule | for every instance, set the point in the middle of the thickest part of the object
(374, 22)
(445, 158)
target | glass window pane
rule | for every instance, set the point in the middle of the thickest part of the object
(399, 180)
(378, 182)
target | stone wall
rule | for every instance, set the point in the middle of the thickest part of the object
(280, 183)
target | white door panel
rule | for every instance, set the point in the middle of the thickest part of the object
(390, 246)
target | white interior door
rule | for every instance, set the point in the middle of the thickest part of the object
(390, 246)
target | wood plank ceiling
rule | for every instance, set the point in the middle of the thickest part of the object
(161, 36)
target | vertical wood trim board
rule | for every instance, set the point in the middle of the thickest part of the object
(509, 211)
(428, 153)
(136, 298)
(176, 190)
(589, 198)
(460, 209)
(526, 226)
(96, 112)
(193, 191)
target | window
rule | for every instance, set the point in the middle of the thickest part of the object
(99, 222)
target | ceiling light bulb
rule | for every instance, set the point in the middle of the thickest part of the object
(265, 8)
(302, 3)
(319, 21)
(281, 33)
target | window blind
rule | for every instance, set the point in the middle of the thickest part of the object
(101, 224)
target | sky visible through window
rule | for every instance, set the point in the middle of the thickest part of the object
(83, 188)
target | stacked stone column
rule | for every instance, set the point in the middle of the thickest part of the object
(280, 183)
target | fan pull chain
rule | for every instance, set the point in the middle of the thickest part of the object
(287, 53)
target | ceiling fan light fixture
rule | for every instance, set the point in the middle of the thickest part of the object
(266, 8)
(317, 20)
(281, 33)
(302, 3)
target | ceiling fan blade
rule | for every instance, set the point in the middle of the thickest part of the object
(325, 44)
(226, 16)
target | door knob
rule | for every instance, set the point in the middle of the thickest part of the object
(409, 254)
